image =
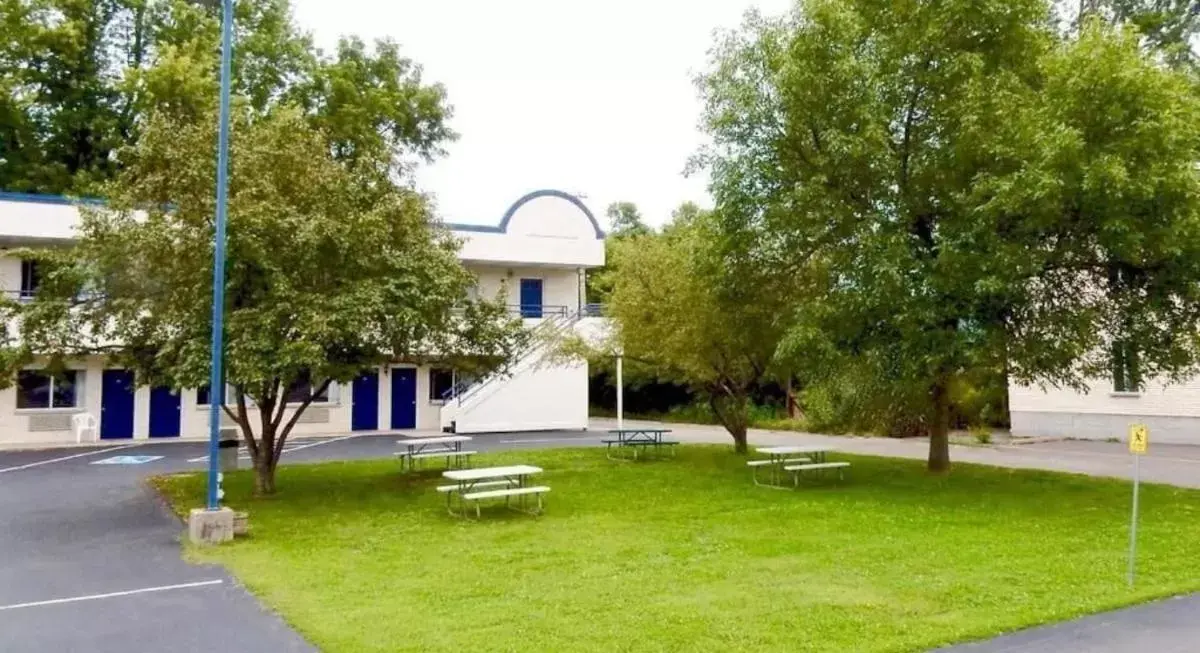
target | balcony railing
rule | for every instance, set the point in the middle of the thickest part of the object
(592, 310)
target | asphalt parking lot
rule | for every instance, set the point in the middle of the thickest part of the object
(90, 557)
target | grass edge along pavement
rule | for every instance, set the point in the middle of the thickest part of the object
(688, 554)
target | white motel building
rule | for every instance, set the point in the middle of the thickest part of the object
(538, 254)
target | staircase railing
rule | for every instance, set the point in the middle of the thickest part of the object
(545, 331)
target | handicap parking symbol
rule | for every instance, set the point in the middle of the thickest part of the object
(126, 460)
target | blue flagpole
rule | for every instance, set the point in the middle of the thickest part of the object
(216, 385)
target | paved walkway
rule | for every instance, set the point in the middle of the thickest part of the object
(1169, 464)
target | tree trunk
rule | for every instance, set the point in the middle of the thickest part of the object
(939, 430)
(264, 475)
(739, 438)
(732, 411)
(265, 463)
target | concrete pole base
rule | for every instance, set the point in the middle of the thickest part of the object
(210, 526)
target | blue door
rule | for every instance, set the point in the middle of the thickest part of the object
(116, 404)
(404, 398)
(531, 297)
(364, 402)
(164, 413)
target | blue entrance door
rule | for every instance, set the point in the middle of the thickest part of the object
(404, 398)
(531, 297)
(364, 402)
(116, 404)
(164, 413)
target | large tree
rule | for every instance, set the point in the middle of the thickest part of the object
(686, 305)
(79, 78)
(982, 190)
(330, 273)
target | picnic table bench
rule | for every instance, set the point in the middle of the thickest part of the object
(794, 460)
(638, 440)
(476, 485)
(449, 447)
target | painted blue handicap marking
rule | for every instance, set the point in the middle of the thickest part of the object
(125, 460)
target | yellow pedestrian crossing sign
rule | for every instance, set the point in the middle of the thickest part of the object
(1139, 438)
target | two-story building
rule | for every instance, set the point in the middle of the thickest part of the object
(537, 256)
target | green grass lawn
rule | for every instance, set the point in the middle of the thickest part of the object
(688, 555)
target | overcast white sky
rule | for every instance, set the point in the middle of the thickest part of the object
(587, 96)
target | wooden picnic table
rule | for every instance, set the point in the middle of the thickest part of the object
(779, 457)
(448, 446)
(471, 484)
(637, 439)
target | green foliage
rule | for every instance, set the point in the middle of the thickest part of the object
(81, 78)
(1167, 26)
(712, 562)
(625, 220)
(977, 190)
(982, 434)
(684, 305)
(329, 273)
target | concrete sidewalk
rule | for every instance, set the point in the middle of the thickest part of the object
(1168, 464)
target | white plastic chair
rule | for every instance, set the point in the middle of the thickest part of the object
(84, 423)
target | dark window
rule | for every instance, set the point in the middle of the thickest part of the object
(37, 389)
(31, 278)
(202, 395)
(1127, 377)
(302, 388)
(440, 382)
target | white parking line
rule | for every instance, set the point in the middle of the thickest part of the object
(317, 444)
(92, 597)
(78, 455)
(286, 449)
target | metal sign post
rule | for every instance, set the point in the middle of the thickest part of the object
(216, 387)
(1139, 437)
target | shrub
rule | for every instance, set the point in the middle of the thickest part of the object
(982, 433)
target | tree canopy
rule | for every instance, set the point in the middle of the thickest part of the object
(684, 306)
(329, 274)
(81, 78)
(979, 188)
(1167, 26)
(335, 265)
(625, 220)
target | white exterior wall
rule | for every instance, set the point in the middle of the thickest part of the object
(548, 398)
(1171, 411)
(547, 235)
(10, 274)
(542, 394)
(544, 228)
(560, 286)
(52, 425)
(37, 221)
